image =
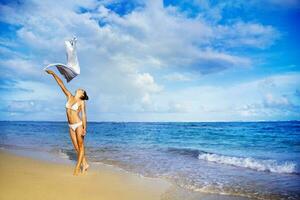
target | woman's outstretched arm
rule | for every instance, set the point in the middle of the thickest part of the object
(59, 82)
(83, 116)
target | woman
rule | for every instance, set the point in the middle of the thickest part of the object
(74, 105)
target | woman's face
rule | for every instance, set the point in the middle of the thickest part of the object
(79, 93)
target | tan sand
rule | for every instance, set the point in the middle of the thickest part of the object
(23, 178)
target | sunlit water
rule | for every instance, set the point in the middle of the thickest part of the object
(253, 159)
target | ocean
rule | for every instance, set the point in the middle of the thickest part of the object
(257, 160)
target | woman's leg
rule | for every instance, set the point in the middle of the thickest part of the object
(80, 142)
(75, 144)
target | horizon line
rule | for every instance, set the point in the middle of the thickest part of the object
(155, 121)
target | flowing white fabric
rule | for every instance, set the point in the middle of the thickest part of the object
(71, 69)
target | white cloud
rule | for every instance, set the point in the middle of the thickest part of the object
(122, 58)
(271, 97)
(146, 82)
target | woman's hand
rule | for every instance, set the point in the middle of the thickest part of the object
(50, 72)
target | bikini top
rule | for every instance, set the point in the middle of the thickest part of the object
(73, 107)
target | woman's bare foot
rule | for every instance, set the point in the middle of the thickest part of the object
(76, 172)
(85, 167)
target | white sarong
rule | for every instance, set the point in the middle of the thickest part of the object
(71, 69)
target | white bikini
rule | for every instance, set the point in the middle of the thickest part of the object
(74, 107)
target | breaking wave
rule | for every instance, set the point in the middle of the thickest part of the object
(251, 163)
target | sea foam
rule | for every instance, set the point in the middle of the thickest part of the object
(251, 163)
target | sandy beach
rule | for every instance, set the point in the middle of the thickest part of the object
(27, 178)
(30, 176)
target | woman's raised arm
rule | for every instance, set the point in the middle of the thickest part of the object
(60, 83)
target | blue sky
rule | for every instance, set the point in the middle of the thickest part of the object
(155, 60)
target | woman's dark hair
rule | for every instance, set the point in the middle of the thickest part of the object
(85, 96)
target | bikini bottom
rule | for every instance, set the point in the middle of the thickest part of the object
(75, 126)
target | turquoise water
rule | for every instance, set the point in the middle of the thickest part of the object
(253, 159)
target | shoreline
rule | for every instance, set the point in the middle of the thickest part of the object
(30, 172)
